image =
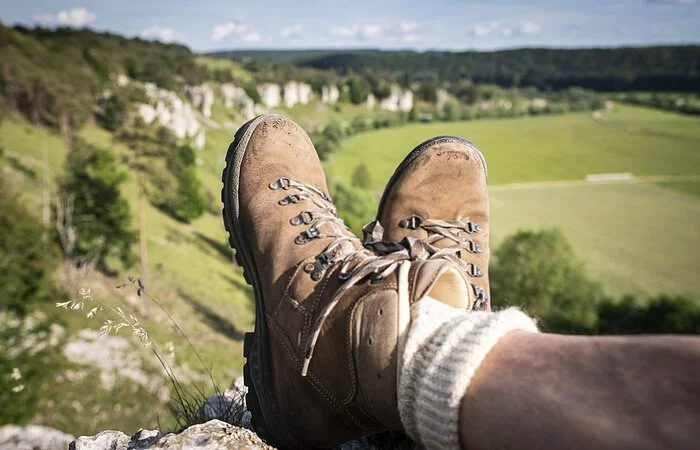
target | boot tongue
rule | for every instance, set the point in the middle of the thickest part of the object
(442, 281)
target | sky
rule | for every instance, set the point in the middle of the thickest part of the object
(209, 25)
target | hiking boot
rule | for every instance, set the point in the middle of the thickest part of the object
(322, 364)
(437, 204)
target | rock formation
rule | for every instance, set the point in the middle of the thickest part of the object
(32, 437)
(234, 96)
(202, 97)
(171, 112)
(295, 92)
(330, 94)
(270, 94)
(398, 100)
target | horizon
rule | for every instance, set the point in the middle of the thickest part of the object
(446, 25)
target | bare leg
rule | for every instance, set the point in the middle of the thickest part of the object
(561, 392)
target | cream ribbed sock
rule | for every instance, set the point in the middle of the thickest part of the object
(444, 348)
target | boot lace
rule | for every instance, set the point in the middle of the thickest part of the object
(421, 249)
(344, 250)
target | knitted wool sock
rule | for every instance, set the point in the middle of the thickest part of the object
(444, 348)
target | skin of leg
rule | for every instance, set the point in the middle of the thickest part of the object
(548, 391)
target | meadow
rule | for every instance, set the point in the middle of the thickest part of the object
(639, 237)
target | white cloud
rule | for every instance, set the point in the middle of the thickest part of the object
(483, 29)
(350, 31)
(530, 28)
(163, 34)
(495, 27)
(294, 32)
(368, 31)
(240, 29)
(673, 2)
(409, 27)
(76, 17)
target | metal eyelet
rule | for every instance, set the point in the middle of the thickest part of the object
(473, 227)
(474, 271)
(281, 183)
(307, 235)
(474, 247)
(291, 198)
(412, 223)
(479, 293)
(304, 218)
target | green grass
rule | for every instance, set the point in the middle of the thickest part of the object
(638, 238)
(543, 148)
(238, 72)
(689, 187)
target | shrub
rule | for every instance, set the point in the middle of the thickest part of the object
(101, 215)
(539, 271)
(355, 206)
(27, 259)
(360, 177)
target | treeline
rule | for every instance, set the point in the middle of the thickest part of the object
(674, 69)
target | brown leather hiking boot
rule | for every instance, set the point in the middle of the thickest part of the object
(322, 363)
(438, 199)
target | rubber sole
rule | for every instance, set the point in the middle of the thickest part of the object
(415, 153)
(257, 371)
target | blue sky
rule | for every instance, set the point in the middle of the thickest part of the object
(207, 25)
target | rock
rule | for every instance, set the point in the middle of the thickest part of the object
(105, 440)
(144, 439)
(32, 437)
(330, 94)
(213, 435)
(371, 101)
(270, 95)
(295, 92)
(398, 100)
(171, 112)
(228, 406)
(115, 359)
(202, 97)
(236, 96)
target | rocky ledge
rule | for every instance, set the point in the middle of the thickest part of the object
(212, 435)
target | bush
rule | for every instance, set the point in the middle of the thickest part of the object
(355, 206)
(358, 90)
(27, 259)
(660, 315)
(540, 272)
(360, 177)
(101, 215)
(189, 203)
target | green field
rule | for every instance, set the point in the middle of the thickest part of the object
(640, 237)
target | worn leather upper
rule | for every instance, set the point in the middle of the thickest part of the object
(447, 181)
(350, 387)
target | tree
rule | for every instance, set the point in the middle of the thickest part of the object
(539, 271)
(356, 206)
(27, 263)
(427, 92)
(663, 314)
(188, 202)
(100, 215)
(360, 177)
(359, 89)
